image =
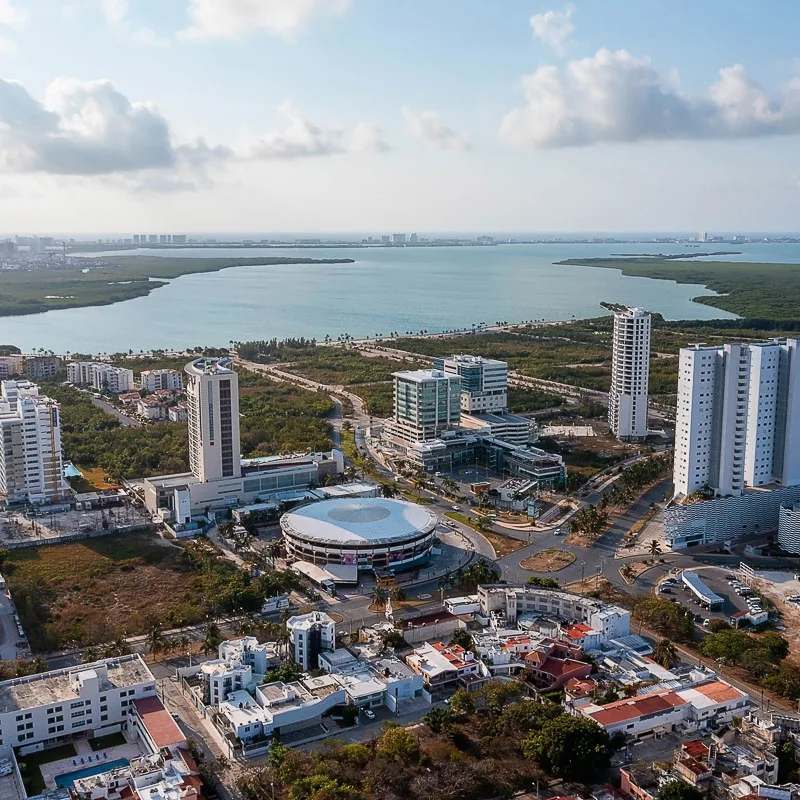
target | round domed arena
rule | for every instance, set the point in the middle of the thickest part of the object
(371, 533)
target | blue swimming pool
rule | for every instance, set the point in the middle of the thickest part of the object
(68, 778)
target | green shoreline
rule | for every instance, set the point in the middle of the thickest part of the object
(37, 291)
(755, 291)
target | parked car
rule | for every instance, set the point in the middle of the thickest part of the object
(706, 623)
(369, 714)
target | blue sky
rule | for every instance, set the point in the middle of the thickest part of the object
(341, 115)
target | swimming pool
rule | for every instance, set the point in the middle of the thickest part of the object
(68, 778)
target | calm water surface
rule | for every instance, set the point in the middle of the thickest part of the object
(385, 290)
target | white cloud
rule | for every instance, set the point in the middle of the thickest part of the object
(617, 97)
(553, 27)
(115, 12)
(300, 139)
(367, 137)
(148, 37)
(229, 19)
(428, 125)
(10, 15)
(89, 129)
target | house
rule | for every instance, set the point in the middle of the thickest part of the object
(551, 664)
(151, 408)
(579, 692)
(640, 781)
(447, 668)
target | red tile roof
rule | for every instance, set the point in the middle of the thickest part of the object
(633, 708)
(695, 748)
(580, 688)
(719, 691)
(576, 631)
(158, 721)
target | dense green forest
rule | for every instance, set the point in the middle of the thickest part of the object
(275, 417)
(766, 292)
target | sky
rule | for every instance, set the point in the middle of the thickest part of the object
(123, 116)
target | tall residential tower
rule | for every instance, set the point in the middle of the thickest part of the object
(31, 467)
(630, 373)
(737, 424)
(212, 391)
(427, 402)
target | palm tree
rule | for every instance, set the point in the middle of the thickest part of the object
(155, 639)
(379, 597)
(665, 653)
(420, 481)
(655, 548)
(449, 486)
(484, 523)
(387, 490)
(211, 638)
(397, 594)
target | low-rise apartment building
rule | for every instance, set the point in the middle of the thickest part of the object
(310, 635)
(100, 376)
(692, 709)
(91, 699)
(10, 366)
(504, 606)
(154, 379)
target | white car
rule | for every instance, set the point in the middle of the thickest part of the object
(706, 623)
(369, 714)
(456, 508)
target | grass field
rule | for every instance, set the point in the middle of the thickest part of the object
(94, 590)
(29, 766)
(96, 478)
(113, 280)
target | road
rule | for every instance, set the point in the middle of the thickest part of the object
(8, 629)
(104, 405)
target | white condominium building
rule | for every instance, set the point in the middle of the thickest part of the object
(311, 634)
(736, 424)
(427, 402)
(89, 700)
(213, 416)
(155, 379)
(484, 382)
(630, 372)
(31, 466)
(100, 376)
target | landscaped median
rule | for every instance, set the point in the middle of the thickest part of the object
(550, 560)
(503, 545)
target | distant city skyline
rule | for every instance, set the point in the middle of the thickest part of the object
(337, 115)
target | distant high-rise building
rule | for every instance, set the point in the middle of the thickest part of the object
(163, 239)
(10, 366)
(179, 238)
(42, 368)
(413, 239)
(398, 240)
(31, 466)
(136, 238)
(100, 376)
(630, 371)
(737, 421)
(386, 240)
(154, 379)
(213, 410)
(153, 238)
(427, 402)
(702, 236)
(484, 382)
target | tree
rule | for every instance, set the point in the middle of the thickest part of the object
(397, 744)
(544, 583)
(285, 673)
(449, 486)
(397, 594)
(379, 597)
(519, 718)
(462, 703)
(438, 719)
(668, 619)
(678, 790)
(387, 490)
(155, 638)
(665, 653)
(570, 747)
(654, 548)
(461, 637)
(774, 645)
(212, 637)
(729, 646)
(484, 522)
(498, 694)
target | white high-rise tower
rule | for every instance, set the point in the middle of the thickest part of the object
(213, 414)
(736, 422)
(630, 373)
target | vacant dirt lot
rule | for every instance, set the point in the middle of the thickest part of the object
(550, 560)
(92, 591)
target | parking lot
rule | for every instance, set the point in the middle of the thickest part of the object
(715, 578)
